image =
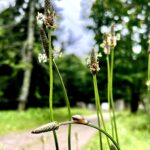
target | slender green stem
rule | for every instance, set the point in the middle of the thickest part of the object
(51, 88)
(149, 73)
(97, 98)
(111, 90)
(108, 93)
(97, 111)
(148, 88)
(67, 103)
(95, 127)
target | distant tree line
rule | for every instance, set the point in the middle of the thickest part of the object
(18, 55)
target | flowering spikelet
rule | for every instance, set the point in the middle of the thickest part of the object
(110, 41)
(45, 128)
(106, 44)
(44, 41)
(93, 63)
(93, 56)
(49, 14)
(48, 7)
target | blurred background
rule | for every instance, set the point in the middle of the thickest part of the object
(24, 82)
(80, 27)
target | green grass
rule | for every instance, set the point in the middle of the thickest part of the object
(133, 132)
(13, 121)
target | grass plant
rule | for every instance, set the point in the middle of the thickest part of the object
(93, 64)
(109, 43)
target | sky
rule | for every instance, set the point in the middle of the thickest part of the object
(72, 29)
(5, 3)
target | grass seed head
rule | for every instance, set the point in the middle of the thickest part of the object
(49, 15)
(93, 62)
(44, 40)
(46, 128)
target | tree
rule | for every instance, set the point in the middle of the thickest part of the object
(20, 27)
(27, 51)
(133, 25)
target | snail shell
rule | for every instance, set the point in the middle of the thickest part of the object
(79, 119)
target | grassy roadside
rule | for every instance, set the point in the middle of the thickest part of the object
(133, 132)
(12, 121)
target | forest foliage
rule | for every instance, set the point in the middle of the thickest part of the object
(130, 73)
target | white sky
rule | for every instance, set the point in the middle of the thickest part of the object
(74, 24)
(5, 3)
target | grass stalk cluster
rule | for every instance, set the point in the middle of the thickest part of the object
(111, 95)
(98, 106)
(47, 20)
(109, 43)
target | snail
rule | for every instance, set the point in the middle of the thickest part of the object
(79, 119)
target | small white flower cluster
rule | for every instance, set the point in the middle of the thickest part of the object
(110, 41)
(57, 53)
(49, 20)
(40, 19)
(42, 58)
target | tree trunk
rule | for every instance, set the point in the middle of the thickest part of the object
(27, 59)
(135, 102)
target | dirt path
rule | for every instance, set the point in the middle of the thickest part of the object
(27, 141)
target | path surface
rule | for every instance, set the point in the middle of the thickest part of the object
(27, 141)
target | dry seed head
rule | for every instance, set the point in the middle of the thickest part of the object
(47, 7)
(44, 40)
(45, 128)
(49, 21)
(93, 56)
(93, 62)
(49, 15)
